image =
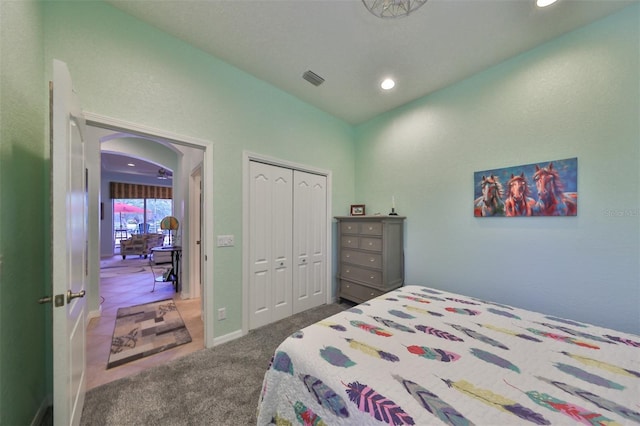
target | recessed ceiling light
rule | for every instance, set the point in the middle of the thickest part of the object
(131, 165)
(545, 3)
(387, 84)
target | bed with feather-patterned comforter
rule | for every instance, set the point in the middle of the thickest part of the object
(426, 357)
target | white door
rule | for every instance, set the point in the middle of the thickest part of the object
(310, 241)
(69, 248)
(270, 228)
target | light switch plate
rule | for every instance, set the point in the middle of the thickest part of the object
(225, 241)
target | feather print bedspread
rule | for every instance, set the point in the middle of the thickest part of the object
(419, 356)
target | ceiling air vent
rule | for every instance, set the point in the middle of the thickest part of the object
(313, 78)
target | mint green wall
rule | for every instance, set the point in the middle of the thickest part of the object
(576, 96)
(24, 214)
(127, 70)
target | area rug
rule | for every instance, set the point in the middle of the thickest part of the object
(147, 329)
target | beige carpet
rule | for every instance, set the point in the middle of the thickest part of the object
(217, 386)
(147, 329)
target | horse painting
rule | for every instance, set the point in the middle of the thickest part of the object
(552, 200)
(519, 201)
(490, 203)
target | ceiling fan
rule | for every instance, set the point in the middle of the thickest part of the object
(164, 174)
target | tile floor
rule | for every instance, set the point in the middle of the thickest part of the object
(121, 288)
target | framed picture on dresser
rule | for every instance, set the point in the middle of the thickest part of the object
(357, 210)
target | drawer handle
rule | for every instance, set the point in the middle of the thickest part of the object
(372, 294)
(347, 271)
(372, 260)
(371, 277)
(371, 228)
(348, 241)
(347, 256)
(370, 244)
(281, 263)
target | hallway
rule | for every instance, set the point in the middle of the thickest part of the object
(126, 283)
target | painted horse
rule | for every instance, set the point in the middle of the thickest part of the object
(552, 200)
(490, 203)
(519, 201)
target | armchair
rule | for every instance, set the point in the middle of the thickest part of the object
(140, 244)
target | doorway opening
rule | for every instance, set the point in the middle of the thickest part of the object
(196, 285)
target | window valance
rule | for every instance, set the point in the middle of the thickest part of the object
(132, 190)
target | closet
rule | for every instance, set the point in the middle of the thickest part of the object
(288, 242)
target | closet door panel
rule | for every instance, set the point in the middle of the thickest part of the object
(281, 232)
(260, 251)
(309, 222)
(270, 232)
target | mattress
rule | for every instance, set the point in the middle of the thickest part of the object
(423, 356)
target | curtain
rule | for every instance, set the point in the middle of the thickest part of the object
(132, 190)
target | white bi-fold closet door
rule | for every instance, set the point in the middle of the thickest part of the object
(288, 229)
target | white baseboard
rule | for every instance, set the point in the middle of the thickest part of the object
(94, 314)
(42, 410)
(227, 338)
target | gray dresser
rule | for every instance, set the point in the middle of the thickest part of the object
(370, 253)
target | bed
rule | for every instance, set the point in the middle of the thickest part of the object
(423, 356)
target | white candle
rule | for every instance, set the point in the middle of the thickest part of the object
(393, 202)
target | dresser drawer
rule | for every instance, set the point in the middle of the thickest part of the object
(349, 227)
(371, 260)
(371, 244)
(371, 228)
(362, 275)
(350, 241)
(357, 292)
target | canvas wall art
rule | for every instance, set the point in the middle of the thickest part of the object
(549, 188)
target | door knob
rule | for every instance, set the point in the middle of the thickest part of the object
(71, 295)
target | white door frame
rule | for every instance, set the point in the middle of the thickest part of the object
(247, 157)
(195, 235)
(105, 122)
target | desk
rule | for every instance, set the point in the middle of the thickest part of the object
(174, 273)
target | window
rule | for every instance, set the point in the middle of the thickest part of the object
(138, 209)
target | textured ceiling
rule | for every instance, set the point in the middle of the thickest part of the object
(443, 42)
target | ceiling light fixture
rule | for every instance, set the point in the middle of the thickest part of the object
(545, 3)
(392, 8)
(387, 84)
